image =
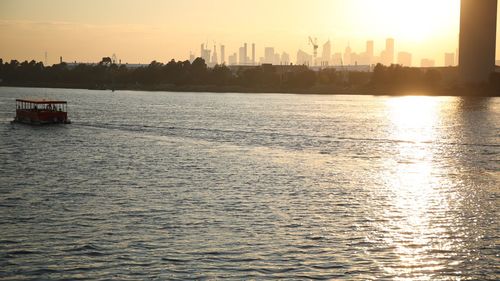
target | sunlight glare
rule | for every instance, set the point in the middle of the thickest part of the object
(414, 117)
(414, 21)
(416, 193)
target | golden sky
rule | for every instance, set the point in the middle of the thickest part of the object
(142, 31)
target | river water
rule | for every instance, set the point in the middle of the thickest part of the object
(166, 186)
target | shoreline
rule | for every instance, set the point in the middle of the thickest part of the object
(315, 90)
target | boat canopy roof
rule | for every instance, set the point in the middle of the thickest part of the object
(41, 101)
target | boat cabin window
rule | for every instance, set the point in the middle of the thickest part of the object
(41, 105)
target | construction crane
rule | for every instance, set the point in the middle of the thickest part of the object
(314, 43)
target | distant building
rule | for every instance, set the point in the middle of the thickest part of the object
(365, 58)
(337, 59)
(304, 58)
(356, 59)
(269, 55)
(387, 55)
(232, 59)
(269, 68)
(222, 54)
(478, 23)
(127, 65)
(285, 58)
(242, 56)
(427, 63)
(215, 59)
(253, 54)
(71, 65)
(370, 47)
(327, 54)
(347, 55)
(205, 54)
(449, 59)
(346, 68)
(404, 58)
(277, 59)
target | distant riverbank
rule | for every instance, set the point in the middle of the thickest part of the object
(480, 90)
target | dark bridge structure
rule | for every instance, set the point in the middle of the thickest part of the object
(478, 30)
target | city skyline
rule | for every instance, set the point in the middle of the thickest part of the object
(163, 30)
(326, 56)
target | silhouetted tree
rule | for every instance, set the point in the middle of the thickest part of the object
(106, 61)
(399, 77)
(198, 71)
(302, 78)
(327, 76)
(358, 77)
(221, 75)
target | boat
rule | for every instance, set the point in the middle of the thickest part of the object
(39, 112)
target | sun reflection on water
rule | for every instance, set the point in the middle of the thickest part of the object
(414, 118)
(416, 195)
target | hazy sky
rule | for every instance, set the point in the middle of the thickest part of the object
(146, 30)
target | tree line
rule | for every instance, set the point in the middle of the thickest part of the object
(107, 75)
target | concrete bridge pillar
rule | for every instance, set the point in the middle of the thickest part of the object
(478, 23)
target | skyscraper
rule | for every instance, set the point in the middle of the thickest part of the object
(337, 59)
(327, 53)
(222, 54)
(215, 59)
(205, 54)
(370, 48)
(387, 56)
(285, 58)
(449, 59)
(369, 51)
(404, 58)
(478, 23)
(390, 48)
(277, 59)
(232, 59)
(269, 55)
(347, 56)
(427, 63)
(253, 53)
(242, 56)
(245, 56)
(303, 58)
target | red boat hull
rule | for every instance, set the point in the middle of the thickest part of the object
(41, 117)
